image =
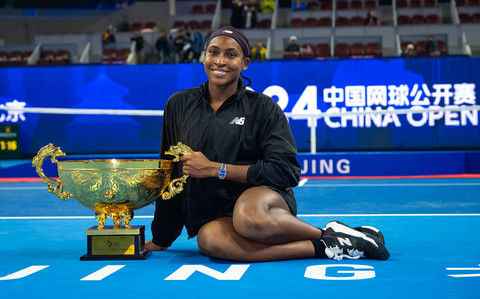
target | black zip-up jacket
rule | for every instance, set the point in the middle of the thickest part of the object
(248, 129)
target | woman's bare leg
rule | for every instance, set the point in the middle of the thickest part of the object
(218, 239)
(262, 215)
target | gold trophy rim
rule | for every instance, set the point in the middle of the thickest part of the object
(112, 204)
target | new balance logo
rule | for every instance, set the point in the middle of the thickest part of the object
(238, 121)
(344, 241)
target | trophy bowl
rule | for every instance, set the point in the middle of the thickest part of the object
(113, 188)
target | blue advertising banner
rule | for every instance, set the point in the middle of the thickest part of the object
(311, 86)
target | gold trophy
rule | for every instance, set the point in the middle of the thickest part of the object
(113, 188)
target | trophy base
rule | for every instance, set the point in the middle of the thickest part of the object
(116, 244)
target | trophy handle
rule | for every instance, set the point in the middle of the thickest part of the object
(56, 187)
(176, 185)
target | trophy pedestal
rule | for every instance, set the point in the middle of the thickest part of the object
(116, 244)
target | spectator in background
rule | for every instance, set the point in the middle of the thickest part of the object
(267, 6)
(187, 55)
(293, 47)
(409, 51)
(258, 52)
(371, 19)
(299, 5)
(139, 47)
(255, 4)
(236, 19)
(178, 44)
(123, 26)
(250, 15)
(209, 32)
(164, 48)
(197, 43)
(108, 39)
(432, 47)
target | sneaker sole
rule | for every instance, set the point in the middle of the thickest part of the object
(373, 248)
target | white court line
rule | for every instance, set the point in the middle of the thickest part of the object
(390, 185)
(302, 182)
(102, 273)
(299, 215)
(23, 273)
(24, 188)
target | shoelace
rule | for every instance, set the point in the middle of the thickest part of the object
(336, 253)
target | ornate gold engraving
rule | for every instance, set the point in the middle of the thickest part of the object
(112, 188)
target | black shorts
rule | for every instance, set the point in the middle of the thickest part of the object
(287, 195)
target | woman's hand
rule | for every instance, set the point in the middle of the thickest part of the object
(198, 166)
(149, 245)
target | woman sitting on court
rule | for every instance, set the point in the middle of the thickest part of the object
(239, 200)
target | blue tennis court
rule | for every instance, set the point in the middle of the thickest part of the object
(430, 227)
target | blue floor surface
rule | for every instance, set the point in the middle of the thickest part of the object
(430, 227)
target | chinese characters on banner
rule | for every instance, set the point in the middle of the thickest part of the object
(12, 116)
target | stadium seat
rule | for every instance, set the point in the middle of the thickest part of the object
(342, 21)
(432, 19)
(109, 55)
(313, 5)
(136, 26)
(442, 47)
(342, 50)
(46, 57)
(357, 21)
(311, 22)
(122, 55)
(26, 56)
(418, 20)
(342, 4)
(476, 18)
(370, 4)
(460, 2)
(179, 23)
(401, 3)
(373, 49)
(205, 24)
(15, 57)
(296, 23)
(415, 3)
(265, 23)
(150, 25)
(325, 22)
(193, 24)
(307, 51)
(290, 55)
(210, 8)
(473, 2)
(429, 3)
(464, 18)
(421, 47)
(403, 20)
(322, 50)
(197, 9)
(326, 5)
(63, 55)
(4, 58)
(356, 4)
(357, 49)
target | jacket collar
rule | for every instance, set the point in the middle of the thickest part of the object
(203, 89)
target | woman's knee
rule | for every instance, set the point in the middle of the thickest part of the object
(211, 240)
(252, 216)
